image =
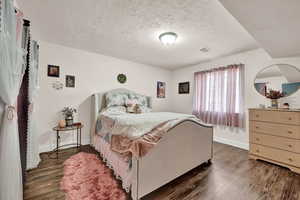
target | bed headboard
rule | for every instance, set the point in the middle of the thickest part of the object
(98, 103)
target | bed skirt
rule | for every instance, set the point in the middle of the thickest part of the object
(121, 168)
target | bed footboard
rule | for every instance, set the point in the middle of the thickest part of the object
(183, 148)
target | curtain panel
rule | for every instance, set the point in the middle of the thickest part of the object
(219, 96)
(32, 149)
(11, 74)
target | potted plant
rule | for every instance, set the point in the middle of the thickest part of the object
(274, 95)
(68, 113)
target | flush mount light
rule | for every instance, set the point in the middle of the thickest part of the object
(168, 38)
(204, 50)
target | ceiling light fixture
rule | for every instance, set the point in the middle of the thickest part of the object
(204, 50)
(168, 38)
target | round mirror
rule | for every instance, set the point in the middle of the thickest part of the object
(283, 78)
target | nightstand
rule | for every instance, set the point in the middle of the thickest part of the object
(68, 129)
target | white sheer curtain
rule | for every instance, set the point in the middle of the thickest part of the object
(219, 96)
(32, 152)
(11, 73)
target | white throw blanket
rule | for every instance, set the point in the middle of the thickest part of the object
(136, 125)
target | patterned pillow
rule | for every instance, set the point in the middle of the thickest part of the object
(116, 99)
(132, 108)
(139, 99)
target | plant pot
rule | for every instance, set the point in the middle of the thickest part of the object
(69, 121)
(274, 103)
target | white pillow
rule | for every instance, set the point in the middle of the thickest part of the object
(117, 110)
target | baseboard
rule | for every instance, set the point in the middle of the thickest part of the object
(240, 145)
(50, 147)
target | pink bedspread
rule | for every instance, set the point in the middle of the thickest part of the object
(141, 146)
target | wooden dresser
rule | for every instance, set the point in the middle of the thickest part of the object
(275, 137)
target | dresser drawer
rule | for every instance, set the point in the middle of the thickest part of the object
(289, 131)
(283, 117)
(289, 118)
(276, 142)
(282, 156)
(262, 115)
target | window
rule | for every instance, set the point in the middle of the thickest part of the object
(219, 96)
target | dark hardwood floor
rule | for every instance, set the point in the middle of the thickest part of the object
(231, 176)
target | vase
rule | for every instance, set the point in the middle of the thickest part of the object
(274, 103)
(62, 123)
(69, 120)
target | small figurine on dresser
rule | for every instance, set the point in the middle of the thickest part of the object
(68, 113)
(286, 106)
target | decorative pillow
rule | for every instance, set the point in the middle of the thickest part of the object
(116, 99)
(132, 108)
(130, 102)
(140, 99)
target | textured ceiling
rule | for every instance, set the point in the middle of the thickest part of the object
(129, 29)
(275, 24)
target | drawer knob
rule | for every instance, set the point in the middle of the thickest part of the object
(290, 118)
(291, 160)
(290, 132)
(257, 127)
(257, 139)
(256, 115)
(290, 145)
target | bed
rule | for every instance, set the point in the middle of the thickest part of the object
(186, 145)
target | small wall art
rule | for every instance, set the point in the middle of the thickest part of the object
(184, 88)
(122, 78)
(53, 71)
(57, 85)
(70, 81)
(161, 89)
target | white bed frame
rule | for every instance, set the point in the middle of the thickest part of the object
(184, 147)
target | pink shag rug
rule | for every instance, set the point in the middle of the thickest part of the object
(87, 178)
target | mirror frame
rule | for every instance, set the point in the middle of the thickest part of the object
(269, 67)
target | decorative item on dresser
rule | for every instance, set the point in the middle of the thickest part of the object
(275, 136)
(274, 96)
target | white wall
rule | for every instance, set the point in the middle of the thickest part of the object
(94, 73)
(97, 73)
(254, 61)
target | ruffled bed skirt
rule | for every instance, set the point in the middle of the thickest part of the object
(121, 168)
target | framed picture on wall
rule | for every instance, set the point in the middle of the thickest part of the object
(184, 88)
(70, 81)
(53, 71)
(161, 89)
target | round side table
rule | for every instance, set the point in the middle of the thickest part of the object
(67, 129)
